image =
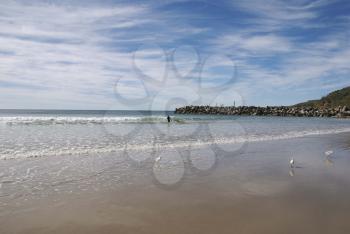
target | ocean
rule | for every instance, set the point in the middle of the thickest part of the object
(133, 172)
(45, 133)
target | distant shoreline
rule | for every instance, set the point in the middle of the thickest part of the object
(286, 111)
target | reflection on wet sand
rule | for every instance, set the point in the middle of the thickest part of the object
(251, 192)
(329, 161)
(291, 172)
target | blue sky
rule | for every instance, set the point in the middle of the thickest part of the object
(163, 54)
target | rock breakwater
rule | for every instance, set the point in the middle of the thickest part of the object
(339, 112)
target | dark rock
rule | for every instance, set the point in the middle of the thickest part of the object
(339, 112)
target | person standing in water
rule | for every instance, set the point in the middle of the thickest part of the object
(168, 118)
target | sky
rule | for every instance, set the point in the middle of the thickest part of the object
(156, 55)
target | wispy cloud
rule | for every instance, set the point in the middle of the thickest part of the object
(56, 55)
(68, 49)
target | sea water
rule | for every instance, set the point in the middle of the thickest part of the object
(45, 133)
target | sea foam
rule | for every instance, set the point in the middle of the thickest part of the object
(110, 148)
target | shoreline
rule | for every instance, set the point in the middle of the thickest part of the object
(180, 144)
(282, 111)
(109, 193)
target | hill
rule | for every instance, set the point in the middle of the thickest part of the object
(334, 99)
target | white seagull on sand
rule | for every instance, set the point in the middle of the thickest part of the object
(328, 153)
(291, 162)
(158, 159)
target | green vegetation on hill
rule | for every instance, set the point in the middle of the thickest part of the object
(334, 99)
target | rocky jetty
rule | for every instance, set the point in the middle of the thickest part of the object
(339, 112)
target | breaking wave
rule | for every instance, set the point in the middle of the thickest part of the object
(48, 120)
(144, 147)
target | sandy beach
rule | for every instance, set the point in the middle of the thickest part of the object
(254, 191)
(174, 117)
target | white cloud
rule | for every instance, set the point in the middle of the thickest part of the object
(53, 53)
(64, 56)
(254, 44)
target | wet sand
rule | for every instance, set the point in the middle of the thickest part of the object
(250, 191)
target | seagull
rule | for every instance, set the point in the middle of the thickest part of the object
(291, 162)
(158, 159)
(328, 153)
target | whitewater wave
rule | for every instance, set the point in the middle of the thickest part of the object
(98, 149)
(53, 120)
